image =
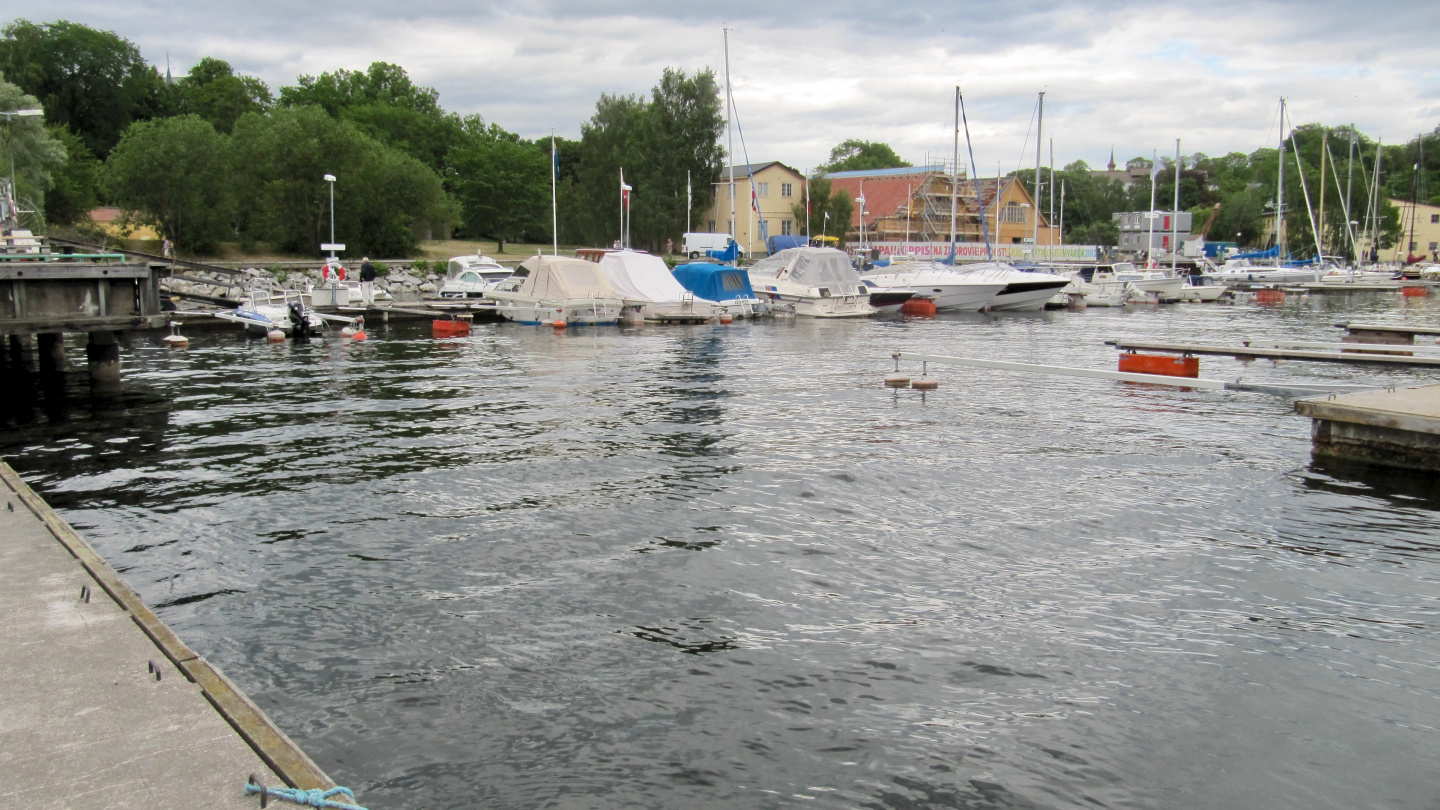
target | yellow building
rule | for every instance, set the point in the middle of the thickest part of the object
(110, 221)
(1426, 239)
(777, 189)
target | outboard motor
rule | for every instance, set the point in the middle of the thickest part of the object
(299, 324)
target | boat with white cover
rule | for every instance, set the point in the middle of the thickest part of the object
(546, 289)
(950, 289)
(648, 288)
(814, 282)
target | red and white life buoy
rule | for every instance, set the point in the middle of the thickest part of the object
(328, 273)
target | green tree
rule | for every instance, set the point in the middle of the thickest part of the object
(76, 184)
(858, 155)
(385, 200)
(830, 210)
(502, 184)
(656, 142)
(93, 82)
(212, 91)
(36, 153)
(175, 174)
(384, 103)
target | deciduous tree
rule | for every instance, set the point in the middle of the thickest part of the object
(856, 155)
(175, 174)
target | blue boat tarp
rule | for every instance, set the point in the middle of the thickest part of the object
(775, 244)
(715, 282)
(730, 254)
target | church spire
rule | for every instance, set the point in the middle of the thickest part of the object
(1112, 158)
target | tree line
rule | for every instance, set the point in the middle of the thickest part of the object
(214, 156)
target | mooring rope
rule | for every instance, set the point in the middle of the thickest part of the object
(310, 798)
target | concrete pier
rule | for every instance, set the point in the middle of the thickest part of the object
(100, 704)
(1395, 428)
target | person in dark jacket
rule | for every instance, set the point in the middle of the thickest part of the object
(367, 281)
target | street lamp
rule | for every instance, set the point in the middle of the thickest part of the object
(861, 200)
(332, 246)
(10, 215)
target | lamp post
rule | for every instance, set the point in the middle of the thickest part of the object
(861, 200)
(11, 216)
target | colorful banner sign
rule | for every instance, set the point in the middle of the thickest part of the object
(975, 251)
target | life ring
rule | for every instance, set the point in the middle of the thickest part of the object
(327, 272)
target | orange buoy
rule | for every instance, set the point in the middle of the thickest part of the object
(923, 307)
(1413, 291)
(1162, 364)
(559, 324)
(727, 318)
(449, 329)
(924, 383)
(360, 335)
(897, 381)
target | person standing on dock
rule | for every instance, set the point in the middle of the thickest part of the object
(367, 281)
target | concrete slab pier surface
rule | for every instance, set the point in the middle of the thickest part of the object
(84, 720)
(1394, 428)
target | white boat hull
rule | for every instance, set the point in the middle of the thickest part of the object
(834, 306)
(586, 312)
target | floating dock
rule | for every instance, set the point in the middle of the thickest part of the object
(101, 705)
(1393, 428)
(1393, 358)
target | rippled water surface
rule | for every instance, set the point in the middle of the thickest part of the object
(722, 567)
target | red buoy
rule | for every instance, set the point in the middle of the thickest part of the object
(449, 328)
(922, 307)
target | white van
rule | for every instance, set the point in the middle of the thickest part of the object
(695, 244)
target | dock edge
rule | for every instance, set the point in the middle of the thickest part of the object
(271, 744)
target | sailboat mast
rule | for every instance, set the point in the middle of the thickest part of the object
(1050, 220)
(1061, 230)
(1320, 218)
(1349, 183)
(1280, 194)
(1039, 126)
(1175, 214)
(729, 132)
(955, 178)
(1375, 200)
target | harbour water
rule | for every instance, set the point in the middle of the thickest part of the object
(721, 566)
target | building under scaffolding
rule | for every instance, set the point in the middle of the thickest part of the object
(912, 204)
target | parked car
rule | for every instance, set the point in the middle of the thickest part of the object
(695, 245)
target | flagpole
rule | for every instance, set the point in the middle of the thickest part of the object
(554, 210)
(688, 204)
(807, 208)
(621, 237)
(1175, 215)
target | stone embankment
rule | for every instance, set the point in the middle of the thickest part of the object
(404, 282)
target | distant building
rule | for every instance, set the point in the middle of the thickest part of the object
(915, 201)
(1426, 240)
(1137, 236)
(777, 189)
(110, 220)
(1135, 171)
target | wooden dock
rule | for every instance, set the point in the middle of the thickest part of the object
(1393, 358)
(1393, 428)
(102, 705)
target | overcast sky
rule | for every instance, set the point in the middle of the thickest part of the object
(1132, 76)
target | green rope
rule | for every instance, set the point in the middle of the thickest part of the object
(310, 798)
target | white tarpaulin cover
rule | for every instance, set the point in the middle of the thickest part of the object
(562, 277)
(813, 267)
(642, 277)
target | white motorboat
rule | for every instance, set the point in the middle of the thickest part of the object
(1021, 290)
(1202, 288)
(1241, 271)
(950, 289)
(650, 290)
(472, 276)
(546, 289)
(815, 282)
(1165, 284)
(289, 312)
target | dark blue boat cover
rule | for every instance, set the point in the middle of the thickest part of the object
(775, 244)
(715, 282)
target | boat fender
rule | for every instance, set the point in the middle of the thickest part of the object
(727, 318)
(275, 336)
